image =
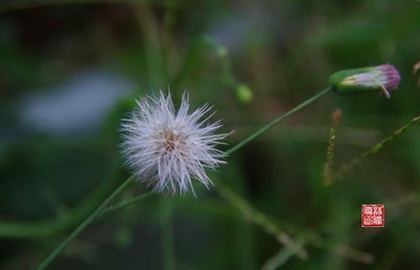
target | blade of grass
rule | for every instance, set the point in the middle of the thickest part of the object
(285, 254)
(335, 118)
(256, 217)
(349, 167)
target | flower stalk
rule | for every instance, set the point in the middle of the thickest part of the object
(348, 168)
(277, 120)
(44, 264)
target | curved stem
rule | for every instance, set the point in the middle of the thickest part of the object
(85, 223)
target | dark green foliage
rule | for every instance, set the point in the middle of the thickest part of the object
(282, 52)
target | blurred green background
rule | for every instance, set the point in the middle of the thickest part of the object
(70, 70)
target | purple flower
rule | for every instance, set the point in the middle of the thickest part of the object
(383, 77)
(390, 76)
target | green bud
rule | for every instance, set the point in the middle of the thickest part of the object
(244, 93)
(384, 78)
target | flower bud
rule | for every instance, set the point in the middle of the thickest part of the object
(244, 93)
(384, 78)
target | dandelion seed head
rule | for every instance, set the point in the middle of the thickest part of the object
(167, 148)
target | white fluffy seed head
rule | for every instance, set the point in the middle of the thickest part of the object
(168, 148)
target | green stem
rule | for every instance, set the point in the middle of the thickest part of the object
(256, 217)
(277, 120)
(229, 195)
(348, 168)
(44, 264)
(329, 161)
(235, 200)
(167, 237)
(285, 254)
(125, 203)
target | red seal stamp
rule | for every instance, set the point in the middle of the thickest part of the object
(373, 215)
